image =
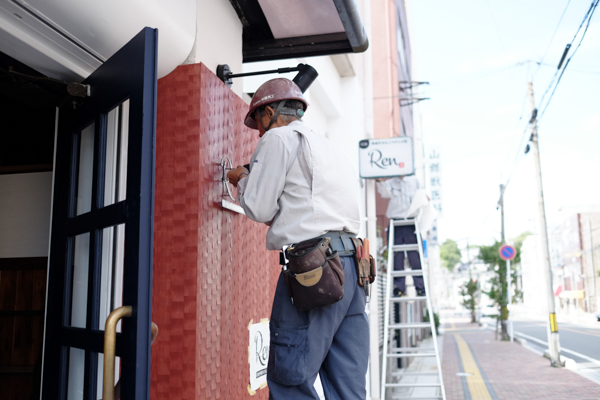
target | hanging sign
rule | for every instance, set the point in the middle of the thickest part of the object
(385, 158)
(258, 354)
(507, 252)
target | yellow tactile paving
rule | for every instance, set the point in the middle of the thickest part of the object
(475, 382)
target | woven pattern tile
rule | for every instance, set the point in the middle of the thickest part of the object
(212, 272)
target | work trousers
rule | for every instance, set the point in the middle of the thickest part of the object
(406, 235)
(332, 341)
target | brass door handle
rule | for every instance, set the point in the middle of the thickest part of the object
(110, 344)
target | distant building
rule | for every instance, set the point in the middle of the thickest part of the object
(575, 248)
(589, 232)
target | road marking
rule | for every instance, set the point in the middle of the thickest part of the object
(562, 349)
(583, 333)
(478, 387)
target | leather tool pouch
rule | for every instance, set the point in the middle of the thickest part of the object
(373, 269)
(363, 263)
(315, 276)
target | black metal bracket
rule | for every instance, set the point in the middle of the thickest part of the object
(305, 77)
(73, 88)
(404, 85)
(410, 101)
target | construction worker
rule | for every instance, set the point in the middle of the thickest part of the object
(401, 192)
(302, 187)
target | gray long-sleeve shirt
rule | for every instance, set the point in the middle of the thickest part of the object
(301, 185)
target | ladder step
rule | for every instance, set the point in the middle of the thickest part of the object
(405, 247)
(407, 272)
(404, 222)
(398, 385)
(401, 374)
(405, 325)
(412, 348)
(406, 298)
(406, 355)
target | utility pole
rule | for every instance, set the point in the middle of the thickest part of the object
(552, 327)
(504, 309)
(501, 205)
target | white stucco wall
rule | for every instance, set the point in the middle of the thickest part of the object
(218, 38)
(25, 201)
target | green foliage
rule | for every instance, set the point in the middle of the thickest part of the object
(490, 255)
(436, 319)
(450, 254)
(469, 293)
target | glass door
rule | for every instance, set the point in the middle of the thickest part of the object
(102, 229)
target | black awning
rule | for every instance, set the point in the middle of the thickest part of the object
(299, 28)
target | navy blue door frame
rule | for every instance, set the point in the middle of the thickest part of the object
(130, 74)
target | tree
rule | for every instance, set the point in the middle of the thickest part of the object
(498, 291)
(450, 254)
(470, 299)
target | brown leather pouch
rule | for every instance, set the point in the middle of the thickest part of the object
(373, 269)
(363, 264)
(315, 276)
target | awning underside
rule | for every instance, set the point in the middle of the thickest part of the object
(278, 29)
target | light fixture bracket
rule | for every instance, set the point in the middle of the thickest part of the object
(305, 77)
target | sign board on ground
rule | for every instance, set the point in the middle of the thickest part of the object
(507, 252)
(258, 353)
(385, 158)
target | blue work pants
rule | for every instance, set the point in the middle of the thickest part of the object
(405, 234)
(332, 341)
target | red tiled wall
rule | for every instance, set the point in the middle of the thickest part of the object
(212, 272)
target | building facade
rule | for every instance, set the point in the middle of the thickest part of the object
(111, 191)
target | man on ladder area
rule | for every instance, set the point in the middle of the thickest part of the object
(410, 213)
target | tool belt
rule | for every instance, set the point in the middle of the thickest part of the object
(365, 263)
(314, 275)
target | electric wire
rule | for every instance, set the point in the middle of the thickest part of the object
(520, 136)
(552, 38)
(524, 135)
(589, 19)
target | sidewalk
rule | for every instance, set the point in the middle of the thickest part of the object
(478, 367)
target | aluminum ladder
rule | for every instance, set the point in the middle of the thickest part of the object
(390, 353)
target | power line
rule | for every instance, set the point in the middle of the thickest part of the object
(521, 137)
(585, 17)
(588, 16)
(552, 38)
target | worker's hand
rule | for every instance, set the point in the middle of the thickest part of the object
(379, 180)
(236, 174)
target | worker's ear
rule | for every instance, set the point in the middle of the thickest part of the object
(269, 111)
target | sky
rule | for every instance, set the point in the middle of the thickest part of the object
(479, 56)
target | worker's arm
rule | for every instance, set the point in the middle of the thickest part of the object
(383, 189)
(259, 192)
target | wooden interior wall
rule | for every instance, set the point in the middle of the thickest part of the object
(22, 298)
(212, 272)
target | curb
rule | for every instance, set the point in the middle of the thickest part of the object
(566, 362)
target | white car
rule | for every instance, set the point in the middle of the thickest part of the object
(489, 311)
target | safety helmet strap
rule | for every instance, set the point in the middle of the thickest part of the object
(277, 111)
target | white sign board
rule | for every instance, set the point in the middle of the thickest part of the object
(384, 158)
(434, 180)
(258, 354)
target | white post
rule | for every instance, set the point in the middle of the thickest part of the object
(371, 210)
(552, 327)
